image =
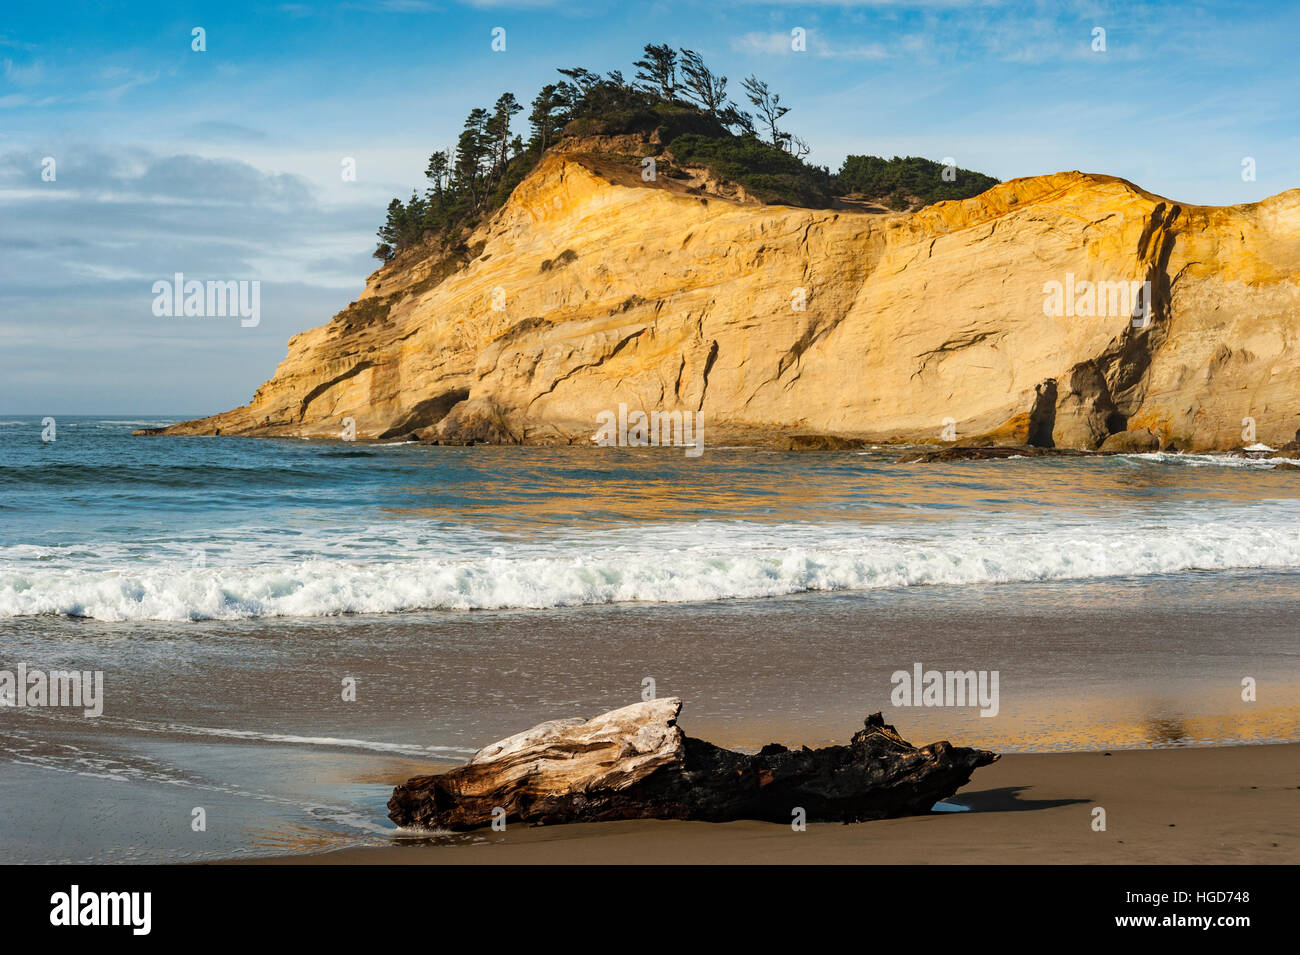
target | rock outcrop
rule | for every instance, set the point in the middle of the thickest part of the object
(1138, 441)
(636, 763)
(590, 288)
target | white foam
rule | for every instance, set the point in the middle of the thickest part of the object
(684, 563)
(1210, 460)
(339, 742)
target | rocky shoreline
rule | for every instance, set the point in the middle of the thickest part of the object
(909, 452)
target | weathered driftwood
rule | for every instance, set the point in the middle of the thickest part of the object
(636, 763)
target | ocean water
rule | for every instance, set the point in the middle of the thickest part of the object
(228, 587)
(104, 526)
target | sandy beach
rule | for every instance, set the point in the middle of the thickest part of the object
(1219, 805)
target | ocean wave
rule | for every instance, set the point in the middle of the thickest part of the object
(255, 736)
(135, 422)
(1208, 460)
(651, 567)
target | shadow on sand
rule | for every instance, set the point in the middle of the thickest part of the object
(1006, 799)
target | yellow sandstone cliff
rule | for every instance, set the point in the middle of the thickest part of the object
(591, 288)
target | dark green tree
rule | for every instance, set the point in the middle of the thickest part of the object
(438, 170)
(703, 85)
(657, 73)
(390, 233)
(769, 109)
(547, 117)
(581, 82)
(473, 150)
(497, 129)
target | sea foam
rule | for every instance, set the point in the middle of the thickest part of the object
(661, 564)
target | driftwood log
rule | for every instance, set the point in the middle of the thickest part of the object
(636, 763)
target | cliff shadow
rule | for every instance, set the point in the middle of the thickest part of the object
(427, 413)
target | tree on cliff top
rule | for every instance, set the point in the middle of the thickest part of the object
(657, 73)
(702, 84)
(673, 94)
(769, 109)
(544, 119)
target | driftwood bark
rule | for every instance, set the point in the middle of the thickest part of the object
(636, 763)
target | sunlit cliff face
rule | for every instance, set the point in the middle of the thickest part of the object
(591, 288)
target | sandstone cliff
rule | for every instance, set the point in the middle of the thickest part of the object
(591, 288)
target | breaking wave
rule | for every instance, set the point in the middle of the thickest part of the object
(694, 563)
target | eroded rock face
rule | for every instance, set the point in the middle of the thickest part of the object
(635, 763)
(591, 288)
(1138, 441)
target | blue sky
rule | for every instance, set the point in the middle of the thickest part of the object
(225, 164)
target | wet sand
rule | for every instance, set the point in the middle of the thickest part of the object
(1220, 805)
(245, 718)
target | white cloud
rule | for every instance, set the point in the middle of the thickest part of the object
(759, 43)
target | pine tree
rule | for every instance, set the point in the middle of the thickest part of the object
(472, 150)
(769, 108)
(438, 170)
(391, 231)
(702, 84)
(497, 129)
(547, 117)
(658, 71)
